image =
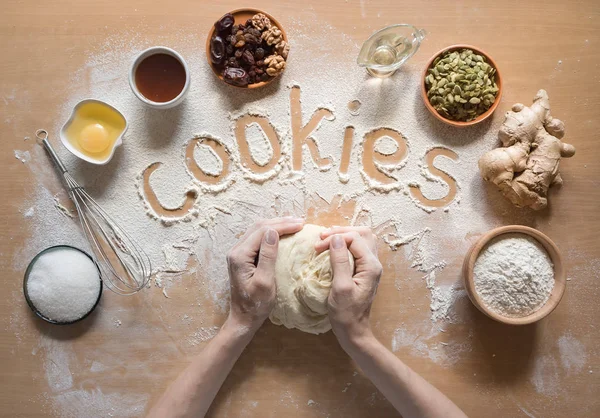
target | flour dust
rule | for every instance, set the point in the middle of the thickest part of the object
(430, 238)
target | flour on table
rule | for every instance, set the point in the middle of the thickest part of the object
(572, 354)
(545, 378)
(23, 156)
(203, 334)
(429, 341)
(219, 212)
(211, 164)
(97, 367)
(261, 150)
(62, 209)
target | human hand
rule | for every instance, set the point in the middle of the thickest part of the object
(251, 266)
(351, 292)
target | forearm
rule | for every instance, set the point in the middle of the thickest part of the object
(408, 392)
(192, 393)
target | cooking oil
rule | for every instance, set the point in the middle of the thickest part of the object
(387, 49)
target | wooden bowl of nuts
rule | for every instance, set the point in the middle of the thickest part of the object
(461, 85)
(514, 274)
(247, 48)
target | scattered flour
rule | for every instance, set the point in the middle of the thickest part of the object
(425, 340)
(62, 209)
(545, 377)
(218, 212)
(97, 367)
(526, 412)
(203, 335)
(23, 156)
(79, 403)
(29, 212)
(57, 364)
(211, 163)
(66, 400)
(572, 354)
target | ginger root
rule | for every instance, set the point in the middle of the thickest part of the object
(527, 165)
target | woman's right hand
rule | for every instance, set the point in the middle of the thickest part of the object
(352, 292)
(251, 266)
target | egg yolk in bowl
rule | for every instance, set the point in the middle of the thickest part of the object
(93, 129)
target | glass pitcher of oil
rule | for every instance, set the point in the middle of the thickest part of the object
(388, 48)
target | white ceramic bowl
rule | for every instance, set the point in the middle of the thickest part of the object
(76, 152)
(153, 51)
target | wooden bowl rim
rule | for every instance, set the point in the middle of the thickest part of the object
(555, 256)
(250, 10)
(479, 118)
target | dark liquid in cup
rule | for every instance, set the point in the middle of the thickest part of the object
(160, 77)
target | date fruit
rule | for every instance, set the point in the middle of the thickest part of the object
(236, 76)
(217, 50)
(248, 58)
(224, 24)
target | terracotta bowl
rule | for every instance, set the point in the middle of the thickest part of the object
(240, 16)
(559, 274)
(479, 118)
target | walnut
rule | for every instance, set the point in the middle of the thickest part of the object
(239, 39)
(272, 36)
(275, 65)
(282, 48)
(261, 22)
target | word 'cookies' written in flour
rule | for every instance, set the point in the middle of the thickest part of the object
(377, 165)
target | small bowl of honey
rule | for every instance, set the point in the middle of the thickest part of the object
(160, 77)
(93, 131)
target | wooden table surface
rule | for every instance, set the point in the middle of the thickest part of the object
(551, 369)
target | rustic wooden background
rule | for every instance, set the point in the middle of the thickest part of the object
(551, 44)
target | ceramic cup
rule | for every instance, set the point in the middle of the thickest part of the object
(145, 54)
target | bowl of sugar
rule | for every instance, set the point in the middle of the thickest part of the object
(514, 274)
(62, 285)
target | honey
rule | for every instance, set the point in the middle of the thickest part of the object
(160, 77)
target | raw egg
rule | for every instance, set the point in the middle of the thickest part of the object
(93, 131)
(94, 138)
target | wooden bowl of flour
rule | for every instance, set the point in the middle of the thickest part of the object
(554, 255)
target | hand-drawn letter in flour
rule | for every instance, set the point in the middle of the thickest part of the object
(301, 133)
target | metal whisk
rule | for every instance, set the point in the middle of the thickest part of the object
(124, 266)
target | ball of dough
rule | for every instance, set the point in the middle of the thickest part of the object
(303, 282)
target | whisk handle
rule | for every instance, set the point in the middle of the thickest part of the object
(54, 156)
